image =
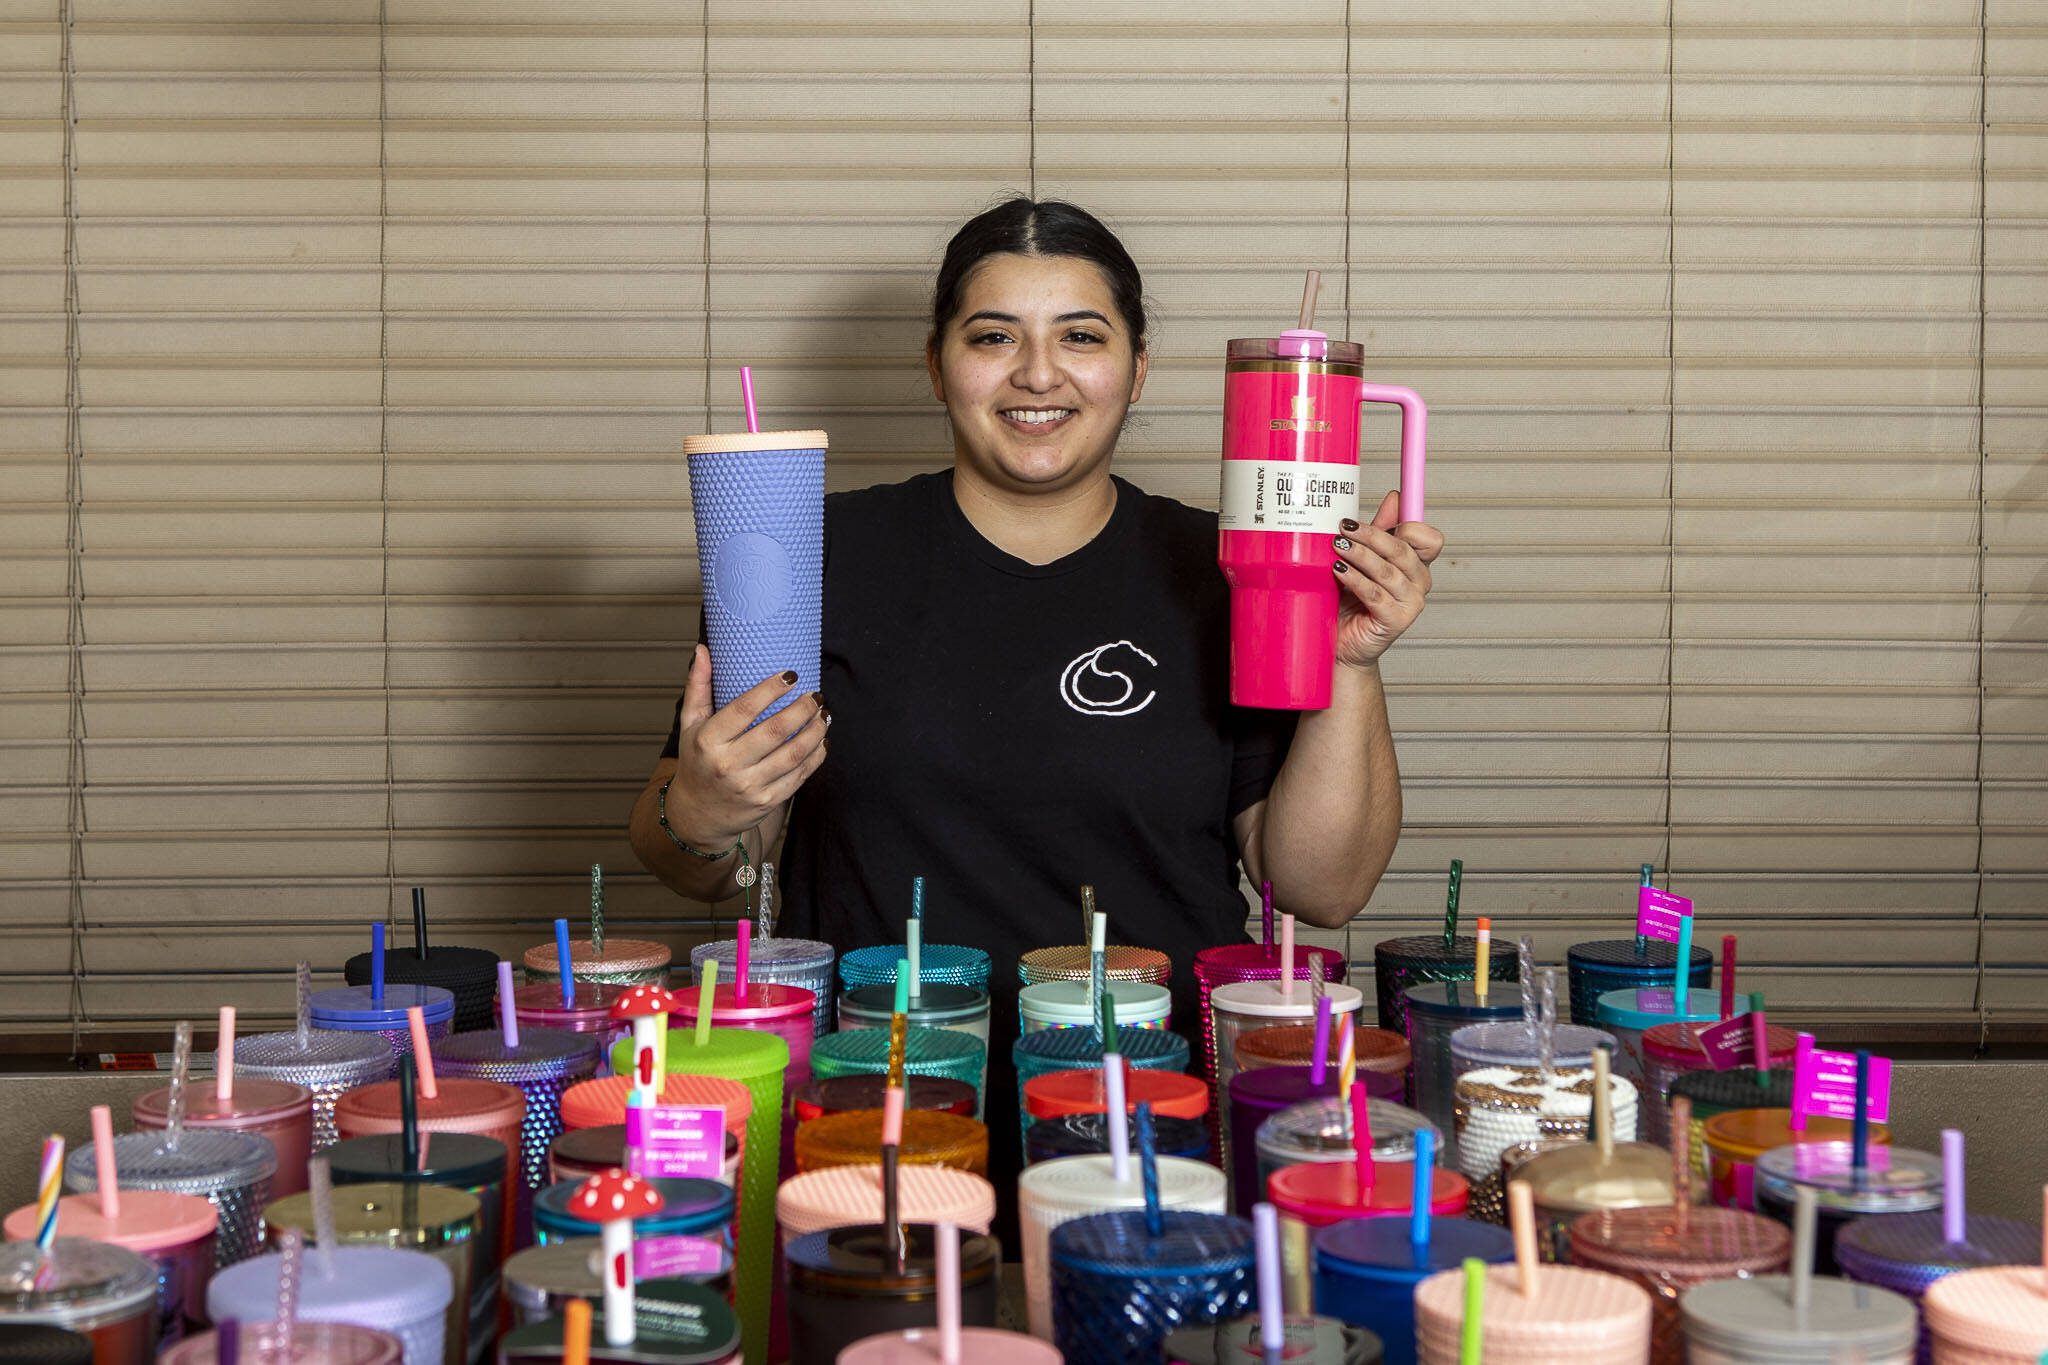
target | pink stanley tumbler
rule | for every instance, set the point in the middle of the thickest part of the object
(1290, 478)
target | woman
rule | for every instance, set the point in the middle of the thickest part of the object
(1027, 661)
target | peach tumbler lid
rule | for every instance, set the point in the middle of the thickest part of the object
(150, 1220)
(463, 1106)
(1746, 1134)
(845, 1196)
(2002, 1309)
(1574, 1315)
(594, 1104)
(727, 442)
(920, 1346)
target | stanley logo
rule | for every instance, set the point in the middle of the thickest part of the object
(1303, 419)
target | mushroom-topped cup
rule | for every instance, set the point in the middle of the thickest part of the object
(646, 1007)
(614, 1200)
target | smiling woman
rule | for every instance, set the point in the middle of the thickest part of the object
(1026, 669)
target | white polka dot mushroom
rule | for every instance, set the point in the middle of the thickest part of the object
(647, 1006)
(615, 1199)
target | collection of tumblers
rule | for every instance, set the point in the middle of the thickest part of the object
(1470, 1175)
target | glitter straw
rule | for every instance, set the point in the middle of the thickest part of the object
(304, 986)
(597, 909)
(1451, 905)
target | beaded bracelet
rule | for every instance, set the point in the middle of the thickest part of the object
(745, 876)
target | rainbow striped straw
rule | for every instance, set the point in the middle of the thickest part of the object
(49, 1185)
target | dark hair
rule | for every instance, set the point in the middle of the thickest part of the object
(1044, 227)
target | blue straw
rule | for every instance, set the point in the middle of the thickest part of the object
(377, 963)
(1148, 1171)
(565, 965)
(1425, 1186)
(1859, 1133)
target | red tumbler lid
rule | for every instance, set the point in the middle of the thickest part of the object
(1321, 1193)
(1170, 1093)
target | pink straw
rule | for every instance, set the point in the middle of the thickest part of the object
(1319, 1060)
(949, 1293)
(508, 1014)
(1801, 1058)
(1287, 958)
(103, 1160)
(224, 1057)
(1727, 976)
(744, 947)
(1760, 1041)
(892, 1116)
(747, 397)
(422, 1055)
(1361, 1139)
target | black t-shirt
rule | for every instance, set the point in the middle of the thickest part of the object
(1011, 730)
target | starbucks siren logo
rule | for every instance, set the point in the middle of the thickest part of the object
(751, 576)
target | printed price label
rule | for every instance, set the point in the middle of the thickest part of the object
(1730, 1043)
(1657, 1000)
(1826, 1085)
(657, 1258)
(675, 1140)
(1659, 914)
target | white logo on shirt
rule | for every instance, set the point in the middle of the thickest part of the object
(1095, 686)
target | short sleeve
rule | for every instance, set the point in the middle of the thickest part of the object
(1261, 740)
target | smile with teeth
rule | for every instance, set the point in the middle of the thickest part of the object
(1037, 416)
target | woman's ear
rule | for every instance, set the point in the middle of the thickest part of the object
(1138, 373)
(931, 364)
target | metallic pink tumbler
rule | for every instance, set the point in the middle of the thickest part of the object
(1290, 478)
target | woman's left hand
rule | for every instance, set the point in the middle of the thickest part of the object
(1383, 573)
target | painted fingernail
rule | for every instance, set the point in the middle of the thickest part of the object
(1342, 567)
(1342, 543)
(1348, 524)
(789, 678)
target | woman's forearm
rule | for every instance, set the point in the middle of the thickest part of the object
(1334, 813)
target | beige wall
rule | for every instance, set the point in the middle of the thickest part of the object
(346, 348)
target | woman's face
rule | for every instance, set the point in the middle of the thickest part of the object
(1036, 370)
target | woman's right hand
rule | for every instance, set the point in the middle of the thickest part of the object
(729, 778)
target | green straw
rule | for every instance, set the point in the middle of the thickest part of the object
(1472, 1334)
(1451, 906)
(1107, 1016)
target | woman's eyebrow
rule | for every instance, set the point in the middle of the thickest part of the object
(1084, 315)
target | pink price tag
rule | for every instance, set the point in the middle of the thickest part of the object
(1658, 914)
(675, 1140)
(1826, 1085)
(657, 1258)
(1732, 1043)
(1656, 1000)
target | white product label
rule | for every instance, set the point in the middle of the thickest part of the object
(1288, 495)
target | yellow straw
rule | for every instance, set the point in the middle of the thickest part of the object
(704, 993)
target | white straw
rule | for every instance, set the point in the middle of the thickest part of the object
(949, 1293)
(1113, 1115)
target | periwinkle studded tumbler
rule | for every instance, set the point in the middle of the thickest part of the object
(759, 500)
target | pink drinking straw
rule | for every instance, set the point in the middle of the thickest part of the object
(1272, 1311)
(1319, 1060)
(1361, 1140)
(747, 397)
(1760, 1044)
(416, 1020)
(743, 947)
(224, 1064)
(949, 1293)
(103, 1160)
(1287, 958)
(1266, 912)
(1955, 1211)
(892, 1142)
(1727, 976)
(1801, 1057)
(508, 1013)
(1113, 1115)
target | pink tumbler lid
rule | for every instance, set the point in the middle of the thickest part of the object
(255, 1103)
(2000, 1309)
(920, 1346)
(150, 1220)
(844, 1196)
(593, 1104)
(1679, 1043)
(463, 1106)
(1321, 1193)
(765, 1000)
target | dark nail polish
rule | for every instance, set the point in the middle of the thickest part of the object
(789, 678)
(1348, 524)
(1342, 567)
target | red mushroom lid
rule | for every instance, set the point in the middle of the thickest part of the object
(643, 1002)
(614, 1195)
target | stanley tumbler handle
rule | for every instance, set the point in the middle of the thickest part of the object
(1414, 439)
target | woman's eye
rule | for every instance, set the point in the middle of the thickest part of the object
(1084, 337)
(986, 338)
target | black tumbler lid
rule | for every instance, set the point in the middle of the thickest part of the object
(458, 1159)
